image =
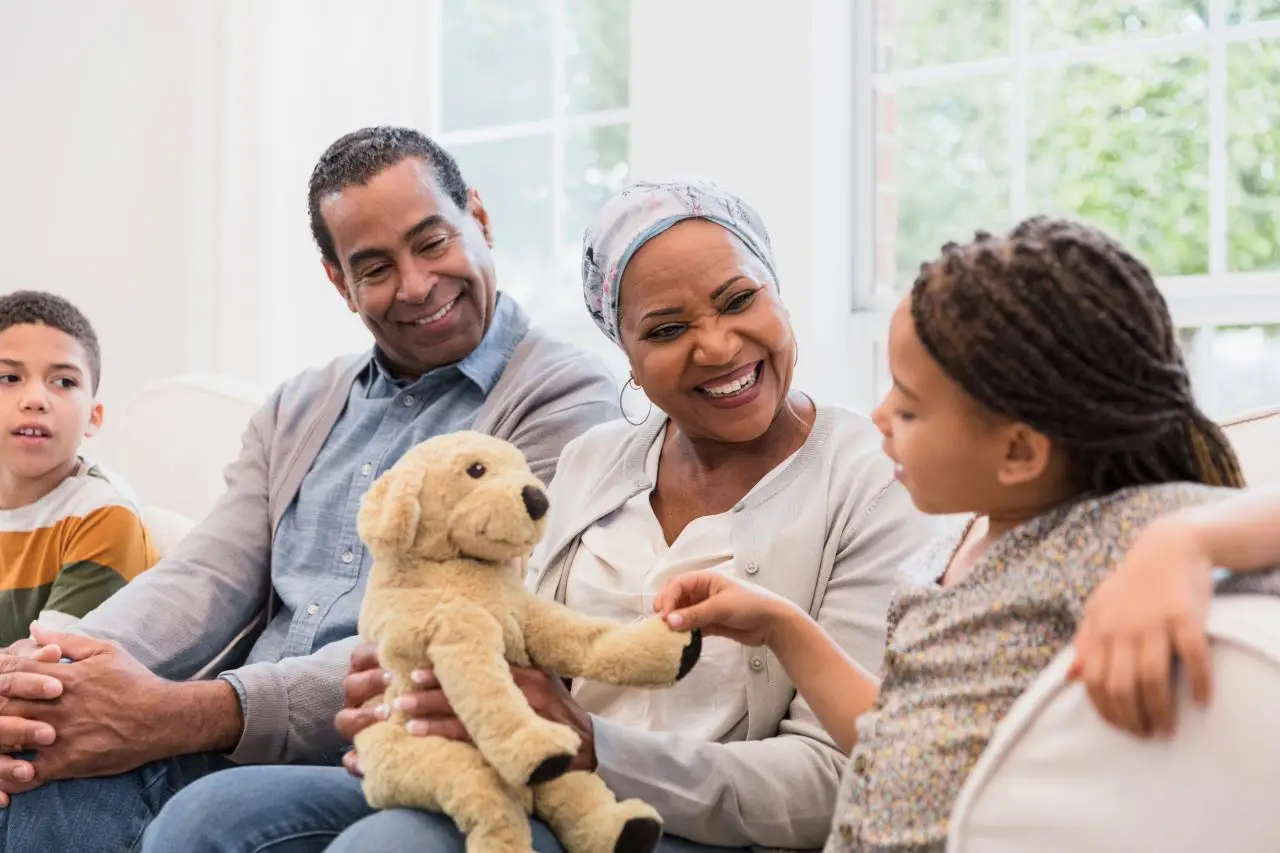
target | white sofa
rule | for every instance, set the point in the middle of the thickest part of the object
(1055, 778)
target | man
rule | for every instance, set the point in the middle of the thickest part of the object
(278, 569)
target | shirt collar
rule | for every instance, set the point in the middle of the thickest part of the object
(484, 365)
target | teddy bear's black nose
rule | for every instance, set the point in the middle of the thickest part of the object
(535, 502)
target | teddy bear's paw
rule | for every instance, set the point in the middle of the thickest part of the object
(691, 653)
(553, 768)
(639, 835)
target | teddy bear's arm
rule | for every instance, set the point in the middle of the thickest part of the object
(646, 654)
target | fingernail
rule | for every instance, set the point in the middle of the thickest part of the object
(419, 676)
(399, 703)
(675, 620)
(418, 727)
(22, 773)
(44, 736)
(51, 689)
(386, 677)
(381, 712)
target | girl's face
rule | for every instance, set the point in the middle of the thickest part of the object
(952, 454)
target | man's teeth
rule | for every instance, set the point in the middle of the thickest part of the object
(731, 388)
(436, 316)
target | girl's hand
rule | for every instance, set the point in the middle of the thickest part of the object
(721, 607)
(1154, 605)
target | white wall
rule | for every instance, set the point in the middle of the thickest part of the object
(107, 110)
(758, 95)
(159, 153)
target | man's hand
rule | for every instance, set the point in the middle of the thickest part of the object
(113, 714)
(430, 713)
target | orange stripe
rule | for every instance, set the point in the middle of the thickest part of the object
(111, 536)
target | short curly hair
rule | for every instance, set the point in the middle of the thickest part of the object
(362, 155)
(29, 307)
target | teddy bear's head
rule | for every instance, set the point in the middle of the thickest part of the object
(459, 495)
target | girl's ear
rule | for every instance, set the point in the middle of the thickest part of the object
(1027, 454)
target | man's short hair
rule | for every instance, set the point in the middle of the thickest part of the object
(362, 155)
(23, 307)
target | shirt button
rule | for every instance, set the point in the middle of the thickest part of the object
(757, 664)
(348, 557)
(752, 568)
(366, 468)
(313, 609)
(409, 401)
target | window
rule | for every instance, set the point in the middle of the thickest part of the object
(1155, 119)
(532, 100)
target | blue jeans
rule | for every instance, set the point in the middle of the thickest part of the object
(105, 815)
(307, 810)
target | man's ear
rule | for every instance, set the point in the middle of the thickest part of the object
(389, 513)
(476, 208)
(334, 273)
(1027, 454)
(95, 421)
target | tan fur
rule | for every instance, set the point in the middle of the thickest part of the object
(446, 591)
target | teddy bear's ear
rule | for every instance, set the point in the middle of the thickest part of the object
(389, 513)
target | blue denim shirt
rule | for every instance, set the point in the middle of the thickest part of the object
(319, 566)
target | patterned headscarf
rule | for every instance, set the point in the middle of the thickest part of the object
(641, 212)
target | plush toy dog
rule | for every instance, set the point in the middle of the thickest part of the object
(448, 526)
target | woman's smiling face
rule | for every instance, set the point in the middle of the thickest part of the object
(707, 337)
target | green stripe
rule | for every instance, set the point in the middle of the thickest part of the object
(79, 588)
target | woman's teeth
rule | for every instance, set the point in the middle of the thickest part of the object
(436, 316)
(737, 386)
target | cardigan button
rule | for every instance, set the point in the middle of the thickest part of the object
(752, 568)
(757, 664)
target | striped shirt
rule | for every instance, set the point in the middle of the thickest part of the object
(65, 554)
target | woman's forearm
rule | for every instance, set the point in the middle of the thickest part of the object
(1240, 533)
(835, 686)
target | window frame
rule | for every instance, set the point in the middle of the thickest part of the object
(559, 126)
(1218, 297)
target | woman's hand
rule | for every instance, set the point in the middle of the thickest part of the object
(722, 607)
(1154, 605)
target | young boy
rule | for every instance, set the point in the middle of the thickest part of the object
(68, 539)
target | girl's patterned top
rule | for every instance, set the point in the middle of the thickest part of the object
(958, 658)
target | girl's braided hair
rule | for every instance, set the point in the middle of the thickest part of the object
(1058, 326)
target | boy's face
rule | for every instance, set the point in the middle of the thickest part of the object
(47, 404)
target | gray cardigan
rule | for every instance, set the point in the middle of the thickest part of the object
(196, 612)
(829, 533)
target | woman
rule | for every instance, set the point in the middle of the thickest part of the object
(734, 472)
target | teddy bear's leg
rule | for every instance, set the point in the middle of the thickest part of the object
(587, 818)
(434, 774)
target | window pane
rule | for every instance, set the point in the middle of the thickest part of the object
(497, 61)
(1126, 146)
(1236, 368)
(1057, 24)
(595, 168)
(1253, 152)
(942, 171)
(1245, 11)
(917, 33)
(513, 177)
(597, 61)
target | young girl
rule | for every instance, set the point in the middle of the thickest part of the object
(1038, 388)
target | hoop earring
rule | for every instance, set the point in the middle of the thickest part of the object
(631, 383)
